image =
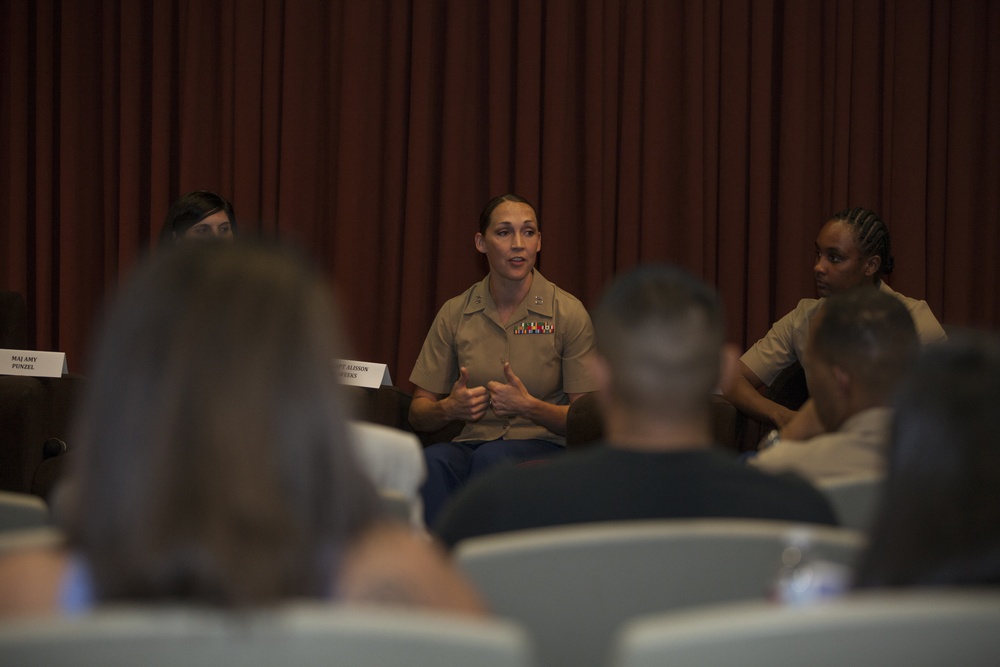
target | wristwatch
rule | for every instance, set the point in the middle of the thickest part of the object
(770, 440)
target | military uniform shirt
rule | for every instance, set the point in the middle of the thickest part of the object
(785, 343)
(545, 341)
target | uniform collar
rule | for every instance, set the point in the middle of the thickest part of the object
(539, 299)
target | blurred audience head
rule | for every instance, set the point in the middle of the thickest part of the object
(939, 522)
(212, 460)
(199, 216)
(861, 342)
(660, 336)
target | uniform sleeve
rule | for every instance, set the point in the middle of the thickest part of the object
(929, 330)
(826, 456)
(776, 351)
(436, 368)
(578, 342)
(786, 456)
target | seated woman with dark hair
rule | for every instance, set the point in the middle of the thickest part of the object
(939, 523)
(199, 216)
(213, 464)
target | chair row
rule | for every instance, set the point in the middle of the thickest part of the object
(624, 595)
(700, 592)
(914, 628)
(573, 587)
(298, 635)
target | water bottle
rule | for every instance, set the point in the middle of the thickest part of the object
(805, 577)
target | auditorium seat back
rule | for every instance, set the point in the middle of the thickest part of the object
(573, 586)
(298, 635)
(916, 628)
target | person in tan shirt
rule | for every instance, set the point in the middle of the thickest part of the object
(860, 344)
(506, 357)
(853, 249)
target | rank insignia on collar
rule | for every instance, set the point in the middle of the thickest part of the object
(534, 328)
(539, 300)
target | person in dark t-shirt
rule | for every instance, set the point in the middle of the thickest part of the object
(660, 353)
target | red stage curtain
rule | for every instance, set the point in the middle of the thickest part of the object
(718, 135)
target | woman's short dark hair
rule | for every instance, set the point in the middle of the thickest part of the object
(192, 208)
(939, 522)
(212, 457)
(872, 236)
(484, 215)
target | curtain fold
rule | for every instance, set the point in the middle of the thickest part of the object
(717, 134)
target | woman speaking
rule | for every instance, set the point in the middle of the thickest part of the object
(506, 357)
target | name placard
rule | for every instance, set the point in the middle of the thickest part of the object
(362, 373)
(33, 363)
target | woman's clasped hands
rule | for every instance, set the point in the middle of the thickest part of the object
(506, 399)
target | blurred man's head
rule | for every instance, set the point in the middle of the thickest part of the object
(659, 337)
(860, 344)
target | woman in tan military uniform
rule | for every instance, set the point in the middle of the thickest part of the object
(506, 357)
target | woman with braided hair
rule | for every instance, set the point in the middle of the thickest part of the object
(853, 249)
